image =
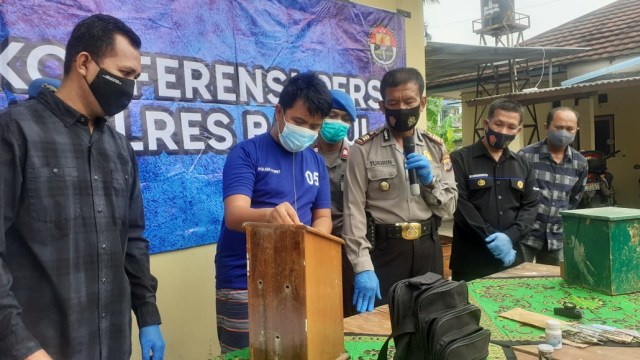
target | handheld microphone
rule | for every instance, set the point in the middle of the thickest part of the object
(410, 148)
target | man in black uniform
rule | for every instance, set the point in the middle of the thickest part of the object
(497, 202)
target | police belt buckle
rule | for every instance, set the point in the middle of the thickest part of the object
(411, 231)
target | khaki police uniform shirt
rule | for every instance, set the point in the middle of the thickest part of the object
(336, 167)
(376, 181)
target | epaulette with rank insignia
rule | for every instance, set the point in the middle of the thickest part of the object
(434, 137)
(344, 154)
(366, 137)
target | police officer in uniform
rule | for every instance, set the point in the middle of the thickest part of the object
(497, 201)
(333, 145)
(391, 234)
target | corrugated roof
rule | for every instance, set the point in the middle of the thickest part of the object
(559, 93)
(610, 31)
(445, 60)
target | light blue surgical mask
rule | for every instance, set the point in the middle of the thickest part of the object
(296, 138)
(334, 130)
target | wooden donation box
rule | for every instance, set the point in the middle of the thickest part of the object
(602, 249)
(295, 293)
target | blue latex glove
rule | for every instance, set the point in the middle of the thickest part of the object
(367, 288)
(501, 247)
(423, 167)
(151, 343)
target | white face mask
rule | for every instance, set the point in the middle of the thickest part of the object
(296, 138)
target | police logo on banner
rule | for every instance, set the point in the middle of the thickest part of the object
(382, 43)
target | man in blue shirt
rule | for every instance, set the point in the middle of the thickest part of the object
(272, 178)
(561, 173)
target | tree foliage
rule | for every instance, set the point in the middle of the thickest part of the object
(444, 128)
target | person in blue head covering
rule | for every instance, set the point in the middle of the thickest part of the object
(333, 145)
(38, 84)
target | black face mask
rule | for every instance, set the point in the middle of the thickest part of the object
(498, 140)
(406, 119)
(113, 93)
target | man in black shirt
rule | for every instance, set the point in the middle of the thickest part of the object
(497, 202)
(73, 259)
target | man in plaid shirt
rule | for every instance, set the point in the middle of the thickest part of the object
(561, 173)
(73, 258)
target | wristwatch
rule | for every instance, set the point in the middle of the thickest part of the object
(433, 184)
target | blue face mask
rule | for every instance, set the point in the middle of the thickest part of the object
(296, 138)
(334, 130)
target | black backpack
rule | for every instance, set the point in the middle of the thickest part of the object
(431, 318)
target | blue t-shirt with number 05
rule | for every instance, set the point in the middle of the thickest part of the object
(263, 170)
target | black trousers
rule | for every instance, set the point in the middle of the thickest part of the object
(396, 259)
(466, 276)
(457, 275)
(348, 286)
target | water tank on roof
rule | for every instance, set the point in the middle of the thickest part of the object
(497, 12)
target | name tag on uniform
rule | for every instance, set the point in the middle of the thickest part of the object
(383, 163)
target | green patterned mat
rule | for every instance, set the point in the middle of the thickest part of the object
(363, 348)
(541, 295)
(358, 347)
(496, 296)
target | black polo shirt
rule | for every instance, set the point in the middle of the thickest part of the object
(492, 197)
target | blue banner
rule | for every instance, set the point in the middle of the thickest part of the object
(211, 74)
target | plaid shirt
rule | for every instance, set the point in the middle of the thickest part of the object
(73, 259)
(561, 187)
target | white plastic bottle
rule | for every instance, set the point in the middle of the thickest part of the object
(553, 334)
(545, 352)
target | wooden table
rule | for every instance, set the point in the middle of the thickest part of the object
(528, 270)
(378, 323)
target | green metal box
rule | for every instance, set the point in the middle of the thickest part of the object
(601, 249)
